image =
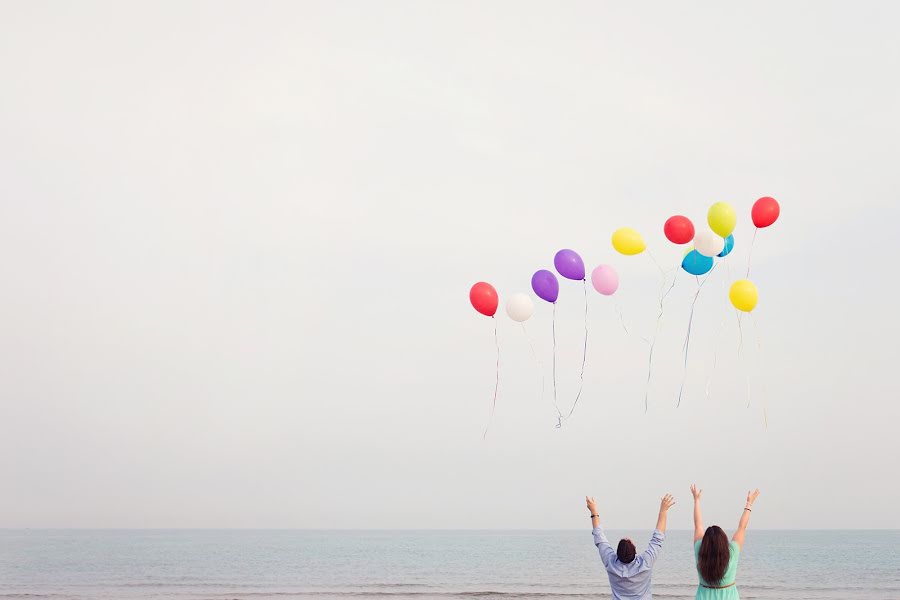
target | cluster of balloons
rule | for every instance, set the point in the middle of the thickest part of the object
(545, 285)
(715, 242)
(706, 245)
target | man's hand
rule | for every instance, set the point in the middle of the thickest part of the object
(751, 497)
(591, 504)
(696, 492)
(666, 503)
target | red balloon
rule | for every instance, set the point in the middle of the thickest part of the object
(483, 297)
(765, 211)
(679, 229)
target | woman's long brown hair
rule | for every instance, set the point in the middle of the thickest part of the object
(712, 560)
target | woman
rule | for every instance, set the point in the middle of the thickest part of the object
(717, 558)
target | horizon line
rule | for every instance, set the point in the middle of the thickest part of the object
(412, 529)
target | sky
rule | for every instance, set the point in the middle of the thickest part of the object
(237, 241)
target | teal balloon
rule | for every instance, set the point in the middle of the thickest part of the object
(697, 264)
(729, 246)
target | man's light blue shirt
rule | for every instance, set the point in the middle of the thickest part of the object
(629, 581)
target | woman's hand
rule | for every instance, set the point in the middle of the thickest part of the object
(745, 518)
(591, 504)
(698, 518)
(751, 497)
(666, 503)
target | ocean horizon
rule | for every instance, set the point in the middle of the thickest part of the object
(422, 564)
(416, 529)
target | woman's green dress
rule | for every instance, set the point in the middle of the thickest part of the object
(721, 593)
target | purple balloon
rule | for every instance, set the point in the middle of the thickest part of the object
(569, 264)
(545, 285)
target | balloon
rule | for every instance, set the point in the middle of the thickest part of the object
(545, 285)
(679, 230)
(519, 307)
(627, 241)
(696, 263)
(569, 264)
(721, 219)
(743, 295)
(483, 297)
(708, 243)
(765, 211)
(605, 280)
(729, 246)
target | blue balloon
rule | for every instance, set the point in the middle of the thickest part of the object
(697, 264)
(729, 246)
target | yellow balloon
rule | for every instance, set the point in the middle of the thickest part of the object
(627, 241)
(743, 295)
(721, 218)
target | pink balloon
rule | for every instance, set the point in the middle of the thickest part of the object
(605, 280)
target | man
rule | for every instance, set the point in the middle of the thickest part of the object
(629, 575)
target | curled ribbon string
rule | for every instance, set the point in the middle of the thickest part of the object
(659, 317)
(750, 253)
(741, 355)
(759, 360)
(621, 316)
(583, 355)
(722, 326)
(559, 417)
(537, 360)
(746, 368)
(658, 266)
(687, 338)
(496, 381)
(622, 322)
(737, 315)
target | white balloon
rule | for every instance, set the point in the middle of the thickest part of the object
(708, 243)
(519, 307)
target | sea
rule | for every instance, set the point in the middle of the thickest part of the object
(420, 565)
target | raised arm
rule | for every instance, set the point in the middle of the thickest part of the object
(664, 505)
(592, 506)
(698, 518)
(607, 554)
(656, 540)
(745, 518)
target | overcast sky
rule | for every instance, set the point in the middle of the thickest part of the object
(237, 239)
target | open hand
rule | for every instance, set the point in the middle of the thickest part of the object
(591, 504)
(666, 503)
(695, 492)
(752, 496)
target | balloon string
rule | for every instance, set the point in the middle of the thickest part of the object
(555, 403)
(537, 360)
(722, 326)
(584, 352)
(761, 367)
(741, 355)
(750, 253)
(618, 309)
(624, 325)
(659, 316)
(658, 266)
(496, 380)
(621, 316)
(687, 338)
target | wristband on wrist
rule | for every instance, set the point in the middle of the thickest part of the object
(595, 516)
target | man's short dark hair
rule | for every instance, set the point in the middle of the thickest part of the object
(625, 551)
